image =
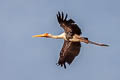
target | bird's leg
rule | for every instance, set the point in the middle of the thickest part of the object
(91, 42)
(99, 44)
(85, 40)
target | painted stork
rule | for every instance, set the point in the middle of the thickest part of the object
(72, 39)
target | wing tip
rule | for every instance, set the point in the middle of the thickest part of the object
(60, 16)
(61, 63)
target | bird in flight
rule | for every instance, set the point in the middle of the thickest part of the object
(72, 39)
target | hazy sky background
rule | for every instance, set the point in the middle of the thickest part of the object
(25, 58)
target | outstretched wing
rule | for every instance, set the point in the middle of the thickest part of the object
(68, 25)
(69, 51)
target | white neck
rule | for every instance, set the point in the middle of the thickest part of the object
(61, 36)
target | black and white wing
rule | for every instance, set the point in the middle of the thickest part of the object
(69, 51)
(68, 25)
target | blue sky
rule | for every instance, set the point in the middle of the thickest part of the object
(25, 58)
